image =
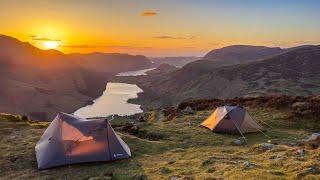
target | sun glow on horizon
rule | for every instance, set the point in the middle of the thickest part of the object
(98, 26)
(51, 45)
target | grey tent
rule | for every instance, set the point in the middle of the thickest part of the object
(70, 139)
(231, 119)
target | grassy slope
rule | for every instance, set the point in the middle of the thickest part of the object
(189, 153)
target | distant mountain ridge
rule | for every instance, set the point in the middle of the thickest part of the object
(40, 83)
(113, 62)
(293, 72)
(237, 54)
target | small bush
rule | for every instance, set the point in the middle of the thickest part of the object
(154, 136)
(165, 170)
(278, 173)
(211, 160)
(171, 162)
(140, 177)
(9, 117)
(211, 170)
(24, 118)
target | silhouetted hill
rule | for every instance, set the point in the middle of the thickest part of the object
(24, 54)
(113, 62)
(40, 83)
(238, 54)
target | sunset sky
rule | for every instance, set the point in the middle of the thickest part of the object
(160, 27)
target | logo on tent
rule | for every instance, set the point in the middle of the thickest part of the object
(117, 155)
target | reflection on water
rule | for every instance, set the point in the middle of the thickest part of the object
(113, 101)
(135, 73)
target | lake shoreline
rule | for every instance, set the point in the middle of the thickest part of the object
(116, 98)
(113, 101)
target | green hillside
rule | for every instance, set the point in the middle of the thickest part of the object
(173, 149)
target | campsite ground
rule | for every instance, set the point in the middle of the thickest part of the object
(172, 150)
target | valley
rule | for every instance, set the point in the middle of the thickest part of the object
(39, 83)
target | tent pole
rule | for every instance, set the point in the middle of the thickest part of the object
(259, 125)
(259, 120)
(108, 140)
(239, 130)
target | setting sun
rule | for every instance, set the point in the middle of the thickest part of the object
(50, 45)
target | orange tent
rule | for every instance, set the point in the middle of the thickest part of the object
(231, 119)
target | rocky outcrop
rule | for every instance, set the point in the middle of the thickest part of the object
(301, 107)
(188, 110)
(313, 141)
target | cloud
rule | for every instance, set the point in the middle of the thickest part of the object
(173, 37)
(188, 47)
(164, 37)
(38, 38)
(276, 43)
(79, 46)
(286, 44)
(136, 50)
(215, 44)
(129, 47)
(148, 13)
(307, 42)
(88, 46)
(120, 47)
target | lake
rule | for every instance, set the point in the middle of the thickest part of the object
(114, 99)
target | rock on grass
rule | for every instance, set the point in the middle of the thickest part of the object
(263, 147)
(313, 141)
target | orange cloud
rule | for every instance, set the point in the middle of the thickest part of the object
(148, 13)
(37, 38)
(173, 37)
(89, 46)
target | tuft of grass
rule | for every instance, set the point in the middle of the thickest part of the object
(165, 170)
